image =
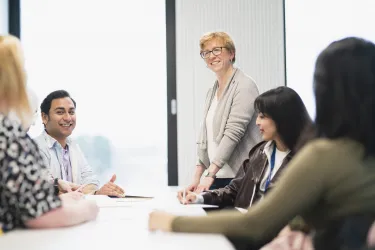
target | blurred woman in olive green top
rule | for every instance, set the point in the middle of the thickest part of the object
(331, 178)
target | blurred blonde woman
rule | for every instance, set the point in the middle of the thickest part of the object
(27, 197)
(228, 129)
(33, 102)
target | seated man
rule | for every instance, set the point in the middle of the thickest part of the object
(62, 155)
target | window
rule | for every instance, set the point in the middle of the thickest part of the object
(111, 57)
(311, 25)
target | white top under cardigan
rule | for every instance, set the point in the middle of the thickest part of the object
(226, 171)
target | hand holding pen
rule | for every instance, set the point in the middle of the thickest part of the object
(186, 197)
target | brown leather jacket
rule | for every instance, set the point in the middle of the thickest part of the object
(243, 190)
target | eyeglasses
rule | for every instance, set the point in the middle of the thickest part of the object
(215, 51)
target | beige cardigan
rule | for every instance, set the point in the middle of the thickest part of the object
(234, 123)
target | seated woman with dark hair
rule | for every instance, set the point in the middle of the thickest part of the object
(280, 132)
(332, 178)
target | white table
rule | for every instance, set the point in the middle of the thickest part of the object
(118, 227)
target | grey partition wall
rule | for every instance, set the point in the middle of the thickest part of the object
(257, 28)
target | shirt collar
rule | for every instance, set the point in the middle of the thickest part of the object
(51, 142)
(268, 148)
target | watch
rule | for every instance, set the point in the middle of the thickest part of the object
(210, 174)
(56, 185)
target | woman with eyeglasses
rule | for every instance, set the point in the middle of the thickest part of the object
(228, 129)
(330, 183)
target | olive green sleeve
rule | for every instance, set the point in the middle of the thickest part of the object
(299, 188)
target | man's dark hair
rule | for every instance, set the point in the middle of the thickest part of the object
(46, 104)
(344, 86)
(286, 108)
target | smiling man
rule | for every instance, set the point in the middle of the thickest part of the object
(62, 155)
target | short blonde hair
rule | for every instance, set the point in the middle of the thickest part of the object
(222, 36)
(13, 94)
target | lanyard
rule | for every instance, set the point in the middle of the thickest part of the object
(272, 165)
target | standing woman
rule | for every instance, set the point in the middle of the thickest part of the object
(228, 129)
(331, 181)
(27, 197)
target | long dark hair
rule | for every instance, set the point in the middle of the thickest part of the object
(286, 108)
(344, 85)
